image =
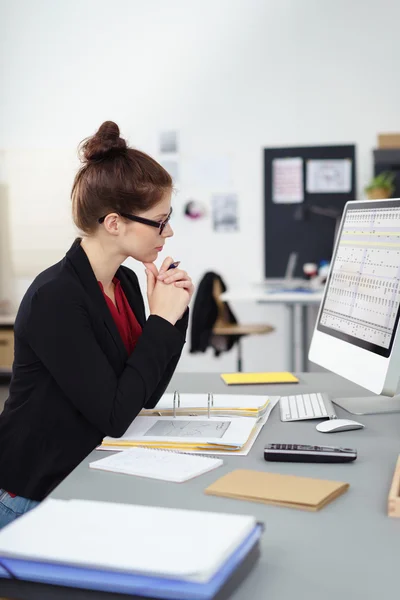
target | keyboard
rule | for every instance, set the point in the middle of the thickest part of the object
(306, 406)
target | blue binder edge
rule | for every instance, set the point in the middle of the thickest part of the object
(126, 583)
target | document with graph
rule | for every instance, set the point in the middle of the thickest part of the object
(186, 432)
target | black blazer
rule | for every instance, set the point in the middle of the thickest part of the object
(204, 316)
(73, 381)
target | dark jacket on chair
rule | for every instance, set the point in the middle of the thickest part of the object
(73, 381)
(204, 316)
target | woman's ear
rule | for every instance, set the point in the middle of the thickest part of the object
(112, 223)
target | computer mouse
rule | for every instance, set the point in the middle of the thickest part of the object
(333, 425)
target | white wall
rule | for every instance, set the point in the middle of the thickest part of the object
(232, 76)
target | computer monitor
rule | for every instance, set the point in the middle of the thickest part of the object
(357, 330)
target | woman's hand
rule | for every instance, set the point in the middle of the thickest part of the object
(176, 276)
(167, 301)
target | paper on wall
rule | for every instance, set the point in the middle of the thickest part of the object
(331, 176)
(169, 141)
(287, 181)
(225, 212)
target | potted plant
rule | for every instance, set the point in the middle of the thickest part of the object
(381, 186)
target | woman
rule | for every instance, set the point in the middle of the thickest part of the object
(86, 359)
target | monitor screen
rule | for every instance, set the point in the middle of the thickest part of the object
(361, 303)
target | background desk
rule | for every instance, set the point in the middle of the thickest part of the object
(348, 550)
(290, 300)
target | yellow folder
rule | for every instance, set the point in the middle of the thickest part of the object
(258, 378)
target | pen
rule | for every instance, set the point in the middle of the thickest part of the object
(174, 265)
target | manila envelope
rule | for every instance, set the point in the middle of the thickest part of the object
(273, 488)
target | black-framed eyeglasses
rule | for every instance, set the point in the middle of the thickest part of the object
(161, 225)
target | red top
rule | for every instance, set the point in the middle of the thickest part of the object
(126, 322)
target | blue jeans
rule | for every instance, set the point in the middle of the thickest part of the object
(12, 508)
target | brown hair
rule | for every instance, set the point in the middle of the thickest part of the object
(114, 178)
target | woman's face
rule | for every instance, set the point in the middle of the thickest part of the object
(143, 242)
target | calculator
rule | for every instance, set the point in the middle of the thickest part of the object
(303, 453)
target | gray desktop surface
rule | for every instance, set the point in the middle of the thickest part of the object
(347, 550)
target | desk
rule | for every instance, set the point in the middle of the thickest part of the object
(290, 300)
(347, 550)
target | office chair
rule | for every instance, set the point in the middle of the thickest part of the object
(224, 327)
(213, 322)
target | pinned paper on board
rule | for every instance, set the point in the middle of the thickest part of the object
(331, 176)
(287, 181)
(224, 211)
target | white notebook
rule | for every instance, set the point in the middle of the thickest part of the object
(157, 464)
(161, 542)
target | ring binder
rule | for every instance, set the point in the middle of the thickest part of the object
(177, 400)
(220, 433)
(178, 403)
(176, 396)
(210, 402)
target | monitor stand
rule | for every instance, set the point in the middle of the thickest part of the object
(369, 405)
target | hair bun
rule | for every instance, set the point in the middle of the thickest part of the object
(105, 143)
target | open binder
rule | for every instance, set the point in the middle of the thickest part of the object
(186, 433)
(41, 548)
(116, 445)
(180, 403)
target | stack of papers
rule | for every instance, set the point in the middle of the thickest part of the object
(167, 465)
(221, 404)
(212, 447)
(150, 550)
(187, 433)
